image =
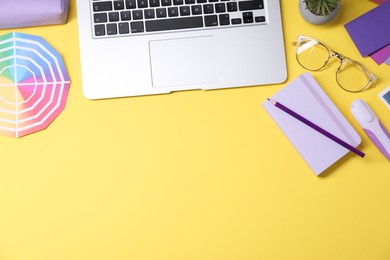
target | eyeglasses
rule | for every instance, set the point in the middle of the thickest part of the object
(351, 75)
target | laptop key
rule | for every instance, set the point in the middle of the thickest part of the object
(154, 3)
(166, 2)
(237, 21)
(123, 28)
(232, 6)
(125, 15)
(185, 10)
(210, 20)
(113, 16)
(112, 29)
(100, 18)
(224, 19)
(137, 27)
(149, 13)
(259, 19)
(247, 17)
(119, 5)
(142, 3)
(220, 8)
(174, 24)
(208, 8)
(137, 15)
(173, 11)
(196, 9)
(161, 12)
(100, 30)
(130, 4)
(250, 5)
(102, 6)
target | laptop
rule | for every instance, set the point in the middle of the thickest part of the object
(146, 47)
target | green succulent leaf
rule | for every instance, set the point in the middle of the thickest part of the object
(321, 7)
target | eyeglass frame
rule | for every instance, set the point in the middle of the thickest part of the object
(371, 77)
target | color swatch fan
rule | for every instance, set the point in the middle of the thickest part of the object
(34, 84)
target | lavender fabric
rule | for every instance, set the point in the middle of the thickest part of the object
(24, 13)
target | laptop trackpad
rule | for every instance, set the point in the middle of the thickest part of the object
(180, 62)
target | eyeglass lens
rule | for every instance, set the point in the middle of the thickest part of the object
(351, 76)
(312, 55)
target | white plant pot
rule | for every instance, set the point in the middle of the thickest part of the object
(316, 19)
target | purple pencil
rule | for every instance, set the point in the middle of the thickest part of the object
(316, 127)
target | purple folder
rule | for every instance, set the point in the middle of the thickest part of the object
(307, 98)
(381, 56)
(24, 13)
(370, 31)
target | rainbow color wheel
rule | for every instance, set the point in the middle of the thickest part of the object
(34, 84)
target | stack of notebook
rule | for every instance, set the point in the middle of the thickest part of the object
(370, 33)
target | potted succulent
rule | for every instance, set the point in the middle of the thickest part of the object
(319, 11)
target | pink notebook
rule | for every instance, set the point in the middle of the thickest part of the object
(306, 97)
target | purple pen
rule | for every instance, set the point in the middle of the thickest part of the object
(316, 127)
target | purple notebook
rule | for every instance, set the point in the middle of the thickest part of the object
(370, 31)
(381, 56)
(307, 98)
(23, 13)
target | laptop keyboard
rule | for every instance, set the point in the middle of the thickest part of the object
(137, 17)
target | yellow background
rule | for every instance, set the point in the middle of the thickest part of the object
(194, 174)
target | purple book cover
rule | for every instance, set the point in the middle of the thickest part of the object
(382, 55)
(24, 13)
(306, 97)
(370, 31)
